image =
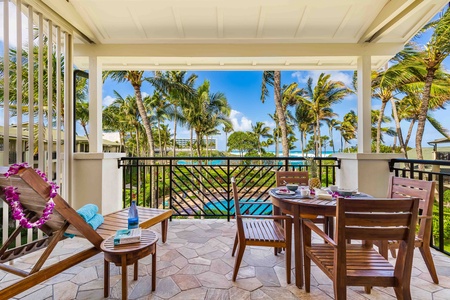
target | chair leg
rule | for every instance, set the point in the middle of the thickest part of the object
(288, 263)
(307, 266)
(235, 244)
(238, 260)
(428, 258)
(402, 292)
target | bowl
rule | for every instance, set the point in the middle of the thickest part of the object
(346, 192)
(333, 188)
(292, 187)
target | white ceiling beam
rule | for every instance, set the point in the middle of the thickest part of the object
(261, 19)
(390, 17)
(137, 23)
(179, 24)
(239, 50)
(219, 22)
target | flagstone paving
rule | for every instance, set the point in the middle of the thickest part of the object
(196, 263)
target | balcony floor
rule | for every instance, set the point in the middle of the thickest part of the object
(196, 263)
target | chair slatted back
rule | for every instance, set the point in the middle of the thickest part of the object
(378, 219)
(422, 189)
(34, 194)
(298, 177)
(237, 209)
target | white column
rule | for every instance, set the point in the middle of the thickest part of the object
(364, 104)
(95, 105)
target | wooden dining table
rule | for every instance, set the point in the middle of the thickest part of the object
(300, 208)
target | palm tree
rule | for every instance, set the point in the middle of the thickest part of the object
(260, 130)
(276, 132)
(304, 119)
(436, 50)
(82, 114)
(207, 110)
(178, 90)
(135, 78)
(273, 78)
(127, 108)
(375, 117)
(332, 124)
(348, 127)
(227, 128)
(161, 110)
(320, 98)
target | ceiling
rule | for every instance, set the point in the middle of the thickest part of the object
(242, 34)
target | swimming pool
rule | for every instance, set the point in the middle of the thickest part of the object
(251, 209)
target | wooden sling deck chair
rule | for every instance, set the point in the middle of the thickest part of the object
(34, 194)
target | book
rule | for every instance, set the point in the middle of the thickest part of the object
(127, 236)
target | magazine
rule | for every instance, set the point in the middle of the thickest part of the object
(127, 236)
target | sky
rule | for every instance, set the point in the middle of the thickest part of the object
(243, 91)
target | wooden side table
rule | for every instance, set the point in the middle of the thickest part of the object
(124, 255)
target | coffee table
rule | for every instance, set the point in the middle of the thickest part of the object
(125, 255)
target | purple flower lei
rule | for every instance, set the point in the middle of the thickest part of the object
(12, 197)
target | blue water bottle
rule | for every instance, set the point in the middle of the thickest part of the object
(133, 217)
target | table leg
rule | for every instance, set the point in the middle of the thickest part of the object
(106, 280)
(164, 225)
(298, 247)
(154, 270)
(136, 268)
(124, 277)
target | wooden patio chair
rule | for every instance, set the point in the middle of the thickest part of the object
(260, 231)
(405, 187)
(301, 178)
(34, 194)
(360, 264)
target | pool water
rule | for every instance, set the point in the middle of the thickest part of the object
(251, 209)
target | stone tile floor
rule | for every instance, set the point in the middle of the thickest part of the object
(196, 263)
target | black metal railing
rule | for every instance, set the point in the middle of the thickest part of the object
(200, 187)
(438, 171)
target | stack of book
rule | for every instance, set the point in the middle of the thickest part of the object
(127, 236)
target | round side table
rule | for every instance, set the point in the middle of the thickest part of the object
(125, 255)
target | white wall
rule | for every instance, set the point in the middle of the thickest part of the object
(97, 180)
(367, 172)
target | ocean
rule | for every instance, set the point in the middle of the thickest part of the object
(293, 153)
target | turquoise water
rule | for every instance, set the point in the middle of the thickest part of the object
(253, 209)
(211, 162)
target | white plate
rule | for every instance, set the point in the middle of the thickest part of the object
(282, 192)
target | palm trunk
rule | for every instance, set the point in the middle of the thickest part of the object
(276, 147)
(143, 114)
(397, 126)
(410, 129)
(280, 113)
(160, 141)
(175, 133)
(318, 145)
(191, 145)
(424, 111)
(380, 120)
(137, 142)
(199, 152)
(85, 131)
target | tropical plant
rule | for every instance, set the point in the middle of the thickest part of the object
(242, 141)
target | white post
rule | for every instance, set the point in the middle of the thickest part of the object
(95, 105)
(364, 104)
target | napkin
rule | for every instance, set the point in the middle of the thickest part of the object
(324, 197)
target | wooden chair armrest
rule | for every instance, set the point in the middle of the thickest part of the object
(425, 217)
(287, 218)
(318, 231)
(254, 203)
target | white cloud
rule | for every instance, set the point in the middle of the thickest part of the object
(345, 77)
(240, 122)
(144, 94)
(107, 100)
